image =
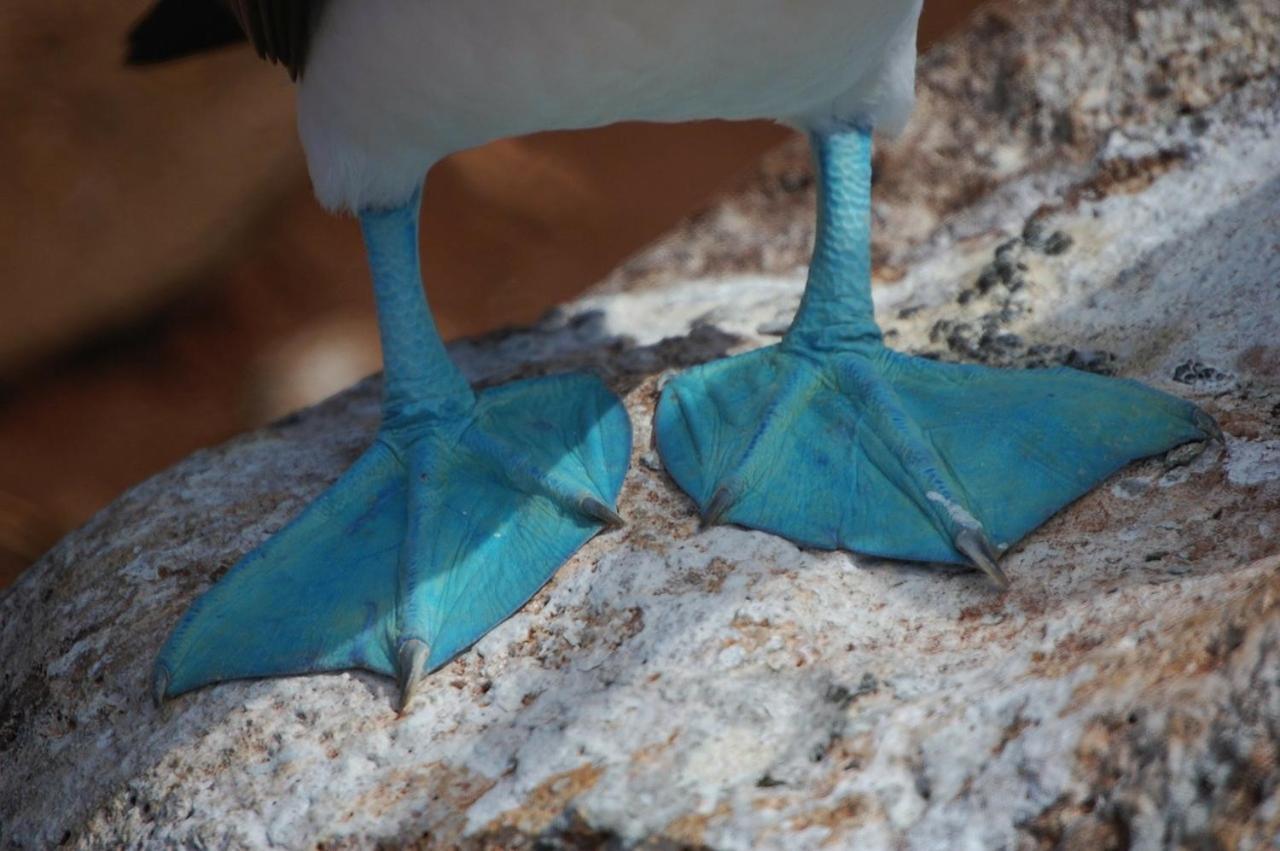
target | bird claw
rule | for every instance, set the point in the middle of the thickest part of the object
(978, 549)
(1210, 427)
(720, 504)
(597, 510)
(410, 664)
(159, 685)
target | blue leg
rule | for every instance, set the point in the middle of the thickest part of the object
(833, 441)
(463, 507)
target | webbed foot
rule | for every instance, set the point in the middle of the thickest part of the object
(460, 511)
(880, 453)
(438, 533)
(834, 441)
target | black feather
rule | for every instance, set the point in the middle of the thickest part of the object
(279, 30)
(177, 28)
(298, 19)
(265, 29)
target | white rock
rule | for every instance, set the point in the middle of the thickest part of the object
(724, 688)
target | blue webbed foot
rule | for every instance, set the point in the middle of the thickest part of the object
(460, 511)
(438, 533)
(834, 441)
(880, 453)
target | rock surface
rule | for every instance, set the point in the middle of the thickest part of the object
(673, 687)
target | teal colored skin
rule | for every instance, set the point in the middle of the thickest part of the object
(463, 507)
(466, 504)
(834, 441)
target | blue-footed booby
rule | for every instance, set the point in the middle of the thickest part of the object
(467, 503)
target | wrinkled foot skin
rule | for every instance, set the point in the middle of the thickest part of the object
(902, 457)
(833, 441)
(438, 533)
(461, 510)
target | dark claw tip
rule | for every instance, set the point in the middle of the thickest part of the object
(721, 502)
(159, 686)
(975, 545)
(597, 510)
(410, 662)
(1210, 427)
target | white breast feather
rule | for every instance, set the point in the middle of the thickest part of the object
(392, 86)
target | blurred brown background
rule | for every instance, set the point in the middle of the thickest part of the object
(168, 280)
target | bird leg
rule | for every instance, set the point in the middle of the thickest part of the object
(461, 509)
(834, 441)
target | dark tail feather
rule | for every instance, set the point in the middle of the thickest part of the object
(177, 28)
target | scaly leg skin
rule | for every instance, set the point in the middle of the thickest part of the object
(833, 441)
(463, 507)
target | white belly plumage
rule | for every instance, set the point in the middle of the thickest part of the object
(391, 86)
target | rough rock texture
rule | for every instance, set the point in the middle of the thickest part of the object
(679, 688)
